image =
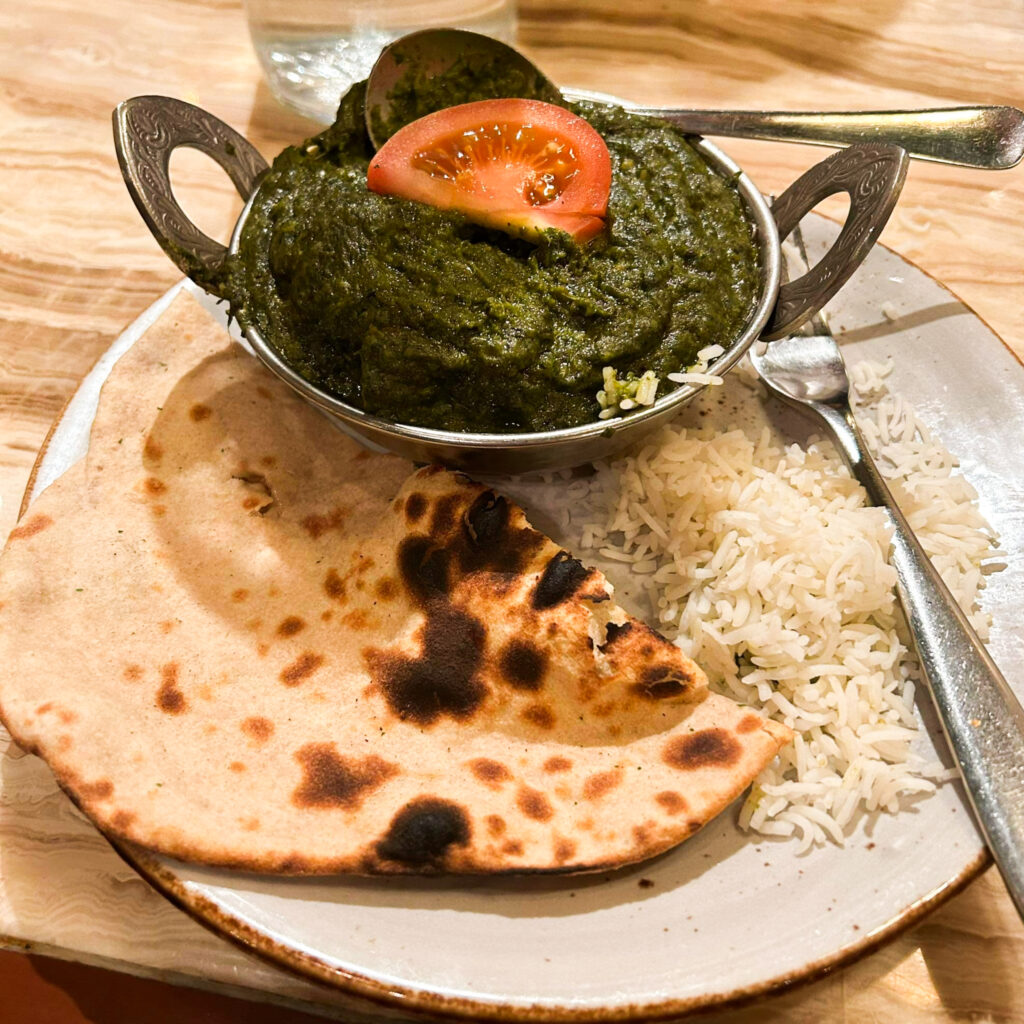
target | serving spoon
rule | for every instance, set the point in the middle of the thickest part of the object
(989, 137)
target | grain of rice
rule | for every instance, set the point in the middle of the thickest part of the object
(694, 377)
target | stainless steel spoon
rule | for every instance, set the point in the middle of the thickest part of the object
(983, 720)
(990, 137)
(396, 91)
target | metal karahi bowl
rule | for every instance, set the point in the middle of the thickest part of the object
(148, 128)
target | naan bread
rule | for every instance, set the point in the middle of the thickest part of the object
(239, 638)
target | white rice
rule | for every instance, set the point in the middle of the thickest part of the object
(764, 564)
(698, 373)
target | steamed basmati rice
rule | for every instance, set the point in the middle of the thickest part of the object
(764, 564)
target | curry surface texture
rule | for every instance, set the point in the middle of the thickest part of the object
(418, 316)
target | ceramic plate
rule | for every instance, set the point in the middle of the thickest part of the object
(726, 915)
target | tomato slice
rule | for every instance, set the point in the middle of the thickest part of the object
(520, 166)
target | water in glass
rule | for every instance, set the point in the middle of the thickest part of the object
(313, 50)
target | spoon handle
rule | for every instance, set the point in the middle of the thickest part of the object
(986, 137)
(983, 720)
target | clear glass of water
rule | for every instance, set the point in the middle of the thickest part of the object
(313, 50)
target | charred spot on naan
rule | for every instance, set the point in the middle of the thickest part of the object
(422, 834)
(490, 772)
(671, 677)
(424, 568)
(561, 579)
(169, 697)
(258, 495)
(671, 802)
(467, 538)
(29, 528)
(121, 820)
(358, 619)
(709, 748)
(415, 506)
(564, 850)
(330, 780)
(663, 682)
(534, 804)
(290, 625)
(317, 524)
(494, 537)
(299, 670)
(258, 728)
(615, 631)
(523, 664)
(152, 450)
(486, 520)
(646, 837)
(102, 789)
(334, 585)
(442, 679)
(540, 715)
(445, 514)
(601, 783)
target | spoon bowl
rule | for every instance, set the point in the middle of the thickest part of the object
(397, 91)
(988, 137)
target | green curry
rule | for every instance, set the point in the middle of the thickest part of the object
(418, 316)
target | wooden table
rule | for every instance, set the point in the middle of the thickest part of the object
(76, 265)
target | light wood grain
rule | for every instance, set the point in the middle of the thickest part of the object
(76, 265)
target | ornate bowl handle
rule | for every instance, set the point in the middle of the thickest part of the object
(872, 174)
(147, 129)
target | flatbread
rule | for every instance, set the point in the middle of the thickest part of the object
(239, 638)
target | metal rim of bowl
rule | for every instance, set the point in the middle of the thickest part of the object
(769, 250)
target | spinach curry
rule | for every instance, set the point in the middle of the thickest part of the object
(418, 316)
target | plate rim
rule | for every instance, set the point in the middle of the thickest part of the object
(423, 1002)
(433, 1004)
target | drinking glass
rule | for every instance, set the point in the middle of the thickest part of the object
(311, 51)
